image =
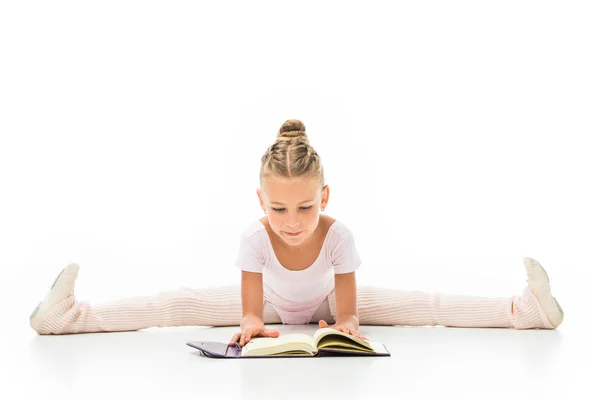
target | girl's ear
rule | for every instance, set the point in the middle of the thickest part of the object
(324, 196)
(260, 199)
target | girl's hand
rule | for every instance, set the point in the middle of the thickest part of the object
(347, 328)
(252, 327)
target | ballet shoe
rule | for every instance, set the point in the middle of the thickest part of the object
(539, 283)
(62, 288)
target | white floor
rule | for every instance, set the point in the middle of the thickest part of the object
(426, 362)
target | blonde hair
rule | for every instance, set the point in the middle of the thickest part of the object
(291, 156)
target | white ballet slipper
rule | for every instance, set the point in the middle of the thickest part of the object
(539, 283)
(62, 288)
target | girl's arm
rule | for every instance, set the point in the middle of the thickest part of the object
(252, 323)
(252, 296)
(345, 298)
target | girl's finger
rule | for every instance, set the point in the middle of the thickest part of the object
(243, 338)
(270, 333)
(234, 339)
(357, 334)
(248, 335)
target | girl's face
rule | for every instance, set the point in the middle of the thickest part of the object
(293, 206)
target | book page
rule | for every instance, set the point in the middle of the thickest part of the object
(323, 333)
(284, 343)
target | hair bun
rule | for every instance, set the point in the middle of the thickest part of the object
(292, 128)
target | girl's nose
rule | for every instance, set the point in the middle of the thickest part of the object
(293, 224)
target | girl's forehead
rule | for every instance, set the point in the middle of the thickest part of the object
(291, 188)
(289, 182)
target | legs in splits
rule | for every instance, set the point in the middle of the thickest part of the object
(60, 312)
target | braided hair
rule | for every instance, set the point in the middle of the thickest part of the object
(291, 155)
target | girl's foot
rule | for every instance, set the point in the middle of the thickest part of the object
(62, 288)
(539, 283)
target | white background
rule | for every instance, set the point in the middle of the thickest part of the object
(456, 137)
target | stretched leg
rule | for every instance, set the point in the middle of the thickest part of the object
(536, 308)
(61, 313)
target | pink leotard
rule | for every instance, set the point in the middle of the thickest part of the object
(294, 294)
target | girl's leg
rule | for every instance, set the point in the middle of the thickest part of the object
(61, 313)
(536, 308)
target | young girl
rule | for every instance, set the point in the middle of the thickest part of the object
(297, 267)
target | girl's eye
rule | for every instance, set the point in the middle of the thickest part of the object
(283, 209)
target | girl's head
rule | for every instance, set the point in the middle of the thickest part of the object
(292, 184)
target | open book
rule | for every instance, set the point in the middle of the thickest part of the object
(326, 342)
